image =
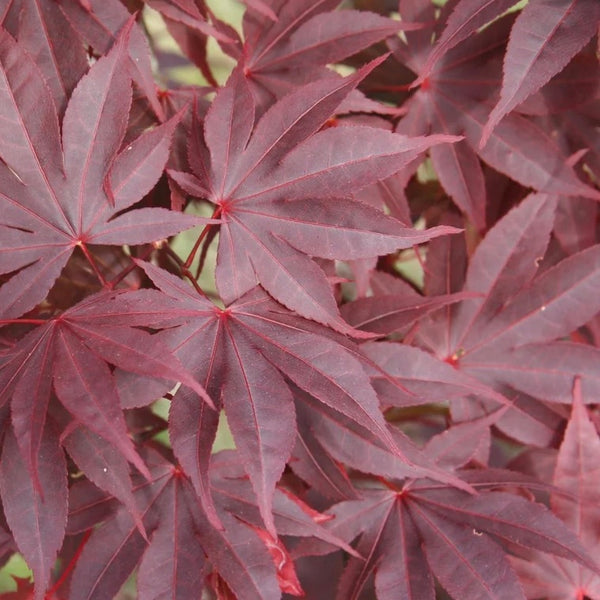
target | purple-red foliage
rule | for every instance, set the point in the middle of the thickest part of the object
(394, 440)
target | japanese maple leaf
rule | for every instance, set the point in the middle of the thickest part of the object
(294, 45)
(36, 510)
(38, 25)
(71, 354)
(408, 536)
(459, 79)
(282, 188)
(183, 546)
(506, 337)
(577, 474)
(187, 21)
(387, 313)
(191, 13)
(243, 355)
(52, 32)
(58, 193)
(327, 441)
(544, 38)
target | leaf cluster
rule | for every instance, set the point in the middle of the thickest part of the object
(400, 433)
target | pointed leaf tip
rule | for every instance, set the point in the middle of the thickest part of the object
(125, 31)
(487, 130)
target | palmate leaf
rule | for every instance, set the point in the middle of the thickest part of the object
(538, 49)
(71, 355)
(547, 370)
(39, 25)
(342, 440)
(385, 314)
(507, 336)
(394, 432)
(243, 352)
(52, 31)
(576, 473)
(183, 547)
(297, 40)
(528, 66)
(281, 191)
(103, 465)
(525, 318)
(98, 23)
(408, 535)
(458, 83)
(35, 512)
(52, 191)
(467, 17)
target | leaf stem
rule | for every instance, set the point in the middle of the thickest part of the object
(185, 270)
(190, 259)
(120, 276)
(26, 321)
(93, 264)
(209, 238)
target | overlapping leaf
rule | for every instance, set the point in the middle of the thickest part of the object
(459, 78)
(541, 44)
(98, 23)
(487, 338)
(52, 189)
(281, 189)
(241, 355)
(479, 363)
(297, 40)
(183, 546)
(39, 25)
(71, 355)
(576, 474)
(408, 536)
(36, 509)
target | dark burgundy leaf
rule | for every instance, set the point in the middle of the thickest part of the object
(454, 98)
(386, 314)
(467, 17)
(104, 466)
(514, 253)
(487, 338)
(576, 473)
(541, 44)
(328, 38)
(555, 304)
(547, 370)
(87, 338)
(54, 45)
(184, 546)
(115, 548)
(270, 200)
(98, 23)
(376, 376)
(303, 34)
(281, 344)
(461, 561)
(174, 563)
(35, 511)
(315, 465)
(52, 208)
(410, 376)
(351, 444)
(453, 534)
